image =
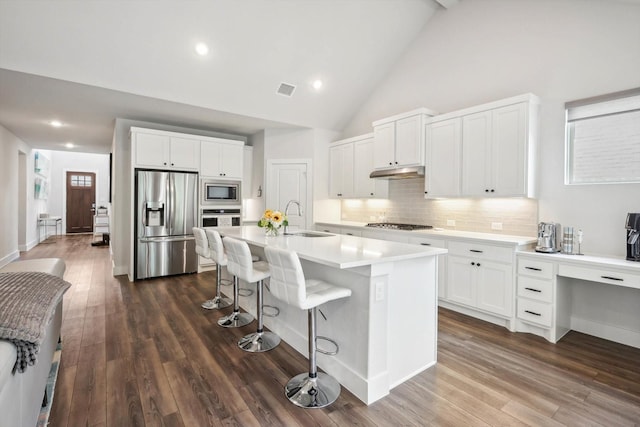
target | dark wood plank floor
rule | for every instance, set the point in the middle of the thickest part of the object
(146, 354)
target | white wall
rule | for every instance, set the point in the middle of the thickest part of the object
(307, 144)
(13, 204)
(484, 50)
(63, 162)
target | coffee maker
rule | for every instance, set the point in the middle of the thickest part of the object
(633, 236)
(549, 235)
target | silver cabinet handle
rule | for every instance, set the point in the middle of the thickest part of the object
(533, 290)
(533, 312)
(533, 268)
(613, 278)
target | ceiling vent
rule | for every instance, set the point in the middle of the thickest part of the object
(286, 89)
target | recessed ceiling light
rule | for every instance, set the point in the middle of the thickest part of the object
(317, 84)
(69, 145)
(55, 123)
(202, 49)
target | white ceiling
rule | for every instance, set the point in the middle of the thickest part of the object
(86, 63)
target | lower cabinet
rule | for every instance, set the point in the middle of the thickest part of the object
(442, 261)
(481, 277)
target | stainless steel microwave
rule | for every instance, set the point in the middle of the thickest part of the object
(220, 192)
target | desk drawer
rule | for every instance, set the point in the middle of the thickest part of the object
(535, 312)
(611, 277)
(539, 269)
(540, 290)
(494, 253)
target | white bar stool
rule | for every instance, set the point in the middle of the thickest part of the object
(313, 389)
(206, 248)
(242, 266)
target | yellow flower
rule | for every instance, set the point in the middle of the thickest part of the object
(267, 214)
(276, 217)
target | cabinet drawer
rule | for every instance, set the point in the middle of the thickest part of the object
(540, 269)
(535, 312)
(611, 277)
(481, 251)
(540, 290)
(425, 241)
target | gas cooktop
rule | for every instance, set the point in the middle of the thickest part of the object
(396, 226)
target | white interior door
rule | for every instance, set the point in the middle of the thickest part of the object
(290, 180)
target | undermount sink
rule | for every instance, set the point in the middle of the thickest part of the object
(309, 234)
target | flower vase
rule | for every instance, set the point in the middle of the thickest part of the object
(271, 232)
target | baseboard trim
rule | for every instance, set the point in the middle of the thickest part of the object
(607, 332)
(10, 257)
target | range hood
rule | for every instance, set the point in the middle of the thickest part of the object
(399, 173)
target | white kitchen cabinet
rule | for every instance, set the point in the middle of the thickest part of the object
(399, 140)
(481, 277)
(341, 171)
(443, 158)
(221, 158)
(495, 152)
(363, 186)
(159, 150)
(247, 174)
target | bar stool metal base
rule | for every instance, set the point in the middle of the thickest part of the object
(316, 392)
(258, 342)
(216, 303)
(235, 320)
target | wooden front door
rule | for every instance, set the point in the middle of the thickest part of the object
(81, 196)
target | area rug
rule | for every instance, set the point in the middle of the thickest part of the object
(43, 418)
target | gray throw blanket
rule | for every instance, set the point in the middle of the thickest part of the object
(28, 301)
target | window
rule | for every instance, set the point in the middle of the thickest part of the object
(80, 180)
(603, 139)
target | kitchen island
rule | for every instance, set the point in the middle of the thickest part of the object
(387, 329)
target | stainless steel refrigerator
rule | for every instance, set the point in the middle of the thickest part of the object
(166, 211)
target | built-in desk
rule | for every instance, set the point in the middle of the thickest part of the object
(595, 295)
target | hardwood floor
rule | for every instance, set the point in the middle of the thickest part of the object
(147, 354)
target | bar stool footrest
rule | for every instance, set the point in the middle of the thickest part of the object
(245, 292)
(276, 310)
(329, 353)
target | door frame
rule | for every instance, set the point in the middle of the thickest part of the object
(64, 192)
(307, 205)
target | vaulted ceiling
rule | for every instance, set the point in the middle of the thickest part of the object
(86, 63)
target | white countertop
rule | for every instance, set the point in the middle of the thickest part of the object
(336, 251)
(487, 237)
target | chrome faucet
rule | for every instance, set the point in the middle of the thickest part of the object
(286, 212)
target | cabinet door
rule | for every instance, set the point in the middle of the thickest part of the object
(152, 150)
(495, 288)
(409, 149)
(443, 145)
(509, 151)
(231, 159)
(247, 175)
(363, 186)
(476, 154)
(341, 170)
(384, 146)
(461, 287)
(185, 153)
(210, 159)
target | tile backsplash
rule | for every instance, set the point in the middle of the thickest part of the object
(406, 204)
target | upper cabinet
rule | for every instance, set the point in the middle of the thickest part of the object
(350, 163)
(484, 151)
(363, 186)
(399, 140)
(158, 149)
(221, 158)
(443, 154)
(341, 170)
